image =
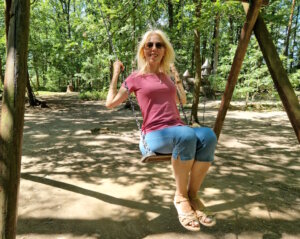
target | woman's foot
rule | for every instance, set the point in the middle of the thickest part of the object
(186, 214)
(205, 217)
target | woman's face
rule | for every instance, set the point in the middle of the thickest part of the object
(154, 49)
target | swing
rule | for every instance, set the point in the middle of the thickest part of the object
(149, 157)
(152, 157)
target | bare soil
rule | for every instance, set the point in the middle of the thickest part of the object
(81, 177)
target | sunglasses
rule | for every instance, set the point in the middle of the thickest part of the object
(158, 45)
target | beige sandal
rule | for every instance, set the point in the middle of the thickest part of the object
(188, 220)
(205, 217)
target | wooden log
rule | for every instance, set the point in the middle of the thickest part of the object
(237, 64)
(278, 73)
(12, 114)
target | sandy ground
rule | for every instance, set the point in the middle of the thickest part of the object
(78, 184)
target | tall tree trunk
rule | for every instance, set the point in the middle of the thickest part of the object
(216, 43)
(31, 97)
(294, 39)
(289, 27)
(65, 5)
(37, 77)
(170, 13)
(12, 114)
(68, 19)
(231, 28)
(1, 75)
(196, 94)
(204, 51)
(7, 18)
(133, 16)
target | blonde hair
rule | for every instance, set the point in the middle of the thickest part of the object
(168, 58)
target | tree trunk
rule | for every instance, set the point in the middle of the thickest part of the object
(289, 27)
(216, 43)
(204, 49)
(1, 75)
(294, 40)
(37, 77)
(32, 100)
(65, 5)
(231, 33)
(12, 114)
(170, 13)
(7, 18)
(196, 94)
(133, 16)
(68, 19)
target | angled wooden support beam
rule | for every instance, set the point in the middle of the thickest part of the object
(279, 74)
(237, 64)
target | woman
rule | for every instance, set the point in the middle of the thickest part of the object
(192, 148)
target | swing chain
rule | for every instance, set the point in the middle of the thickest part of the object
(181, 105)
(148, 151)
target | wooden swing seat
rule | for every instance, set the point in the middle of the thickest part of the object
(156, 157)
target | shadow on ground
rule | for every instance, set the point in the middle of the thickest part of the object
(78, 183)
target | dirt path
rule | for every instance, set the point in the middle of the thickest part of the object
(78, 184)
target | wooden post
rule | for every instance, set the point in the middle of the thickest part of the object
(12, 114)
(279, 74)
(237, 64)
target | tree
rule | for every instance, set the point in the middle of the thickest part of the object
(2, 41)
(288, 32)
(1, 75)
(170, 14)
(12, 114)
(216, 41)
(295, 41)
(196, 94)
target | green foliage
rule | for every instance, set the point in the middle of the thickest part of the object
(69, 44)
(295, 79)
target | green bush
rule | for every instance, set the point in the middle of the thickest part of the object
(295, 80)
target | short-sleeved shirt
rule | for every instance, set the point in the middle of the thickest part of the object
(156, 96)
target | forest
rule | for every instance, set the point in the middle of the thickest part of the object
(72, 169)
(69, 44)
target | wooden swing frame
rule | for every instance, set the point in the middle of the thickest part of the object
(254, 22)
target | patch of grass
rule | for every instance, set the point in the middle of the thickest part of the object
(93, 95)
(41, 93)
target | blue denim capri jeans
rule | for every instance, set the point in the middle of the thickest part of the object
(184, 141)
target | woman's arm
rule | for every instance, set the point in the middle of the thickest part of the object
(179, 86)
(115, 98)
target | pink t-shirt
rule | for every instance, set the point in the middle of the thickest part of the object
(156, 95)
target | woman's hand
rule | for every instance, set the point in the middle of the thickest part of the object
(115, 98)
(118, 67)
